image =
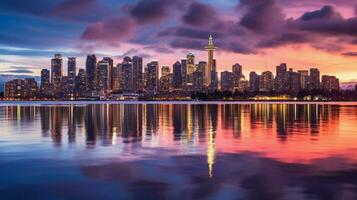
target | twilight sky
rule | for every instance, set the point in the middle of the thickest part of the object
(259, 34)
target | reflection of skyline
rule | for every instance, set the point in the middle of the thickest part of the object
(192, 128)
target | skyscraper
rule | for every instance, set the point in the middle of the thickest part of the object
(198, 81)
(165, 70)
(81, 83)
(226, 81)
(266, 81)
(304, 79)
(56, 73)
(46, 86)
(292, 82)
(103, 77)
(111, 68)
(237, 71)
(210, 48)
(91, 69)
(190, 67)
(330, 83)
(184, 72)
(177, 75)
(281, 78)
(71, 73)
(127, 75)
(138, 73)
(314, 79)
(254, 80)
(152, 77)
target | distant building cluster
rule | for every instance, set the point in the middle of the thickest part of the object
(102, 79)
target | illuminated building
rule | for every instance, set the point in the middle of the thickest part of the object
(127, 75)
(330, 83)
(91, 69)
(111, 68)
(21, 89)
(46, 88)
(254, 80)
(314, 79)
(210, 48)
(165, 70)
(292, 82)
(243, 86)
(138, 73)
(190, 67)
(237, 71)
(304, 79)
(165, 83)
(56, 73)
(281, 78)
(177, 75)
(103, 78)
(184, 72)
(152, 78)
(198, 81)
(81, 83)
(71, 74)
(266, 81)
(226, 81)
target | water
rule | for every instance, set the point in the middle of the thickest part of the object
(178, 151)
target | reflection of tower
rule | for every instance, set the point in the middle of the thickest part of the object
(210, 48)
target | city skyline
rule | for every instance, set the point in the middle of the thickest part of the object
(132, 80)
(318, 34)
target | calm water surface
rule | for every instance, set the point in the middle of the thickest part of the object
(178, 151)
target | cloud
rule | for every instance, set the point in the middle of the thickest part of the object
(261, 15)
(350, 54)
(199, 14)
(17, 70)
(133, 52)
(116, 29)
(154, 10)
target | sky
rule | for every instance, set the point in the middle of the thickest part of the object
(258, 34)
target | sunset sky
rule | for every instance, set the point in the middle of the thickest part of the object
(259, 34)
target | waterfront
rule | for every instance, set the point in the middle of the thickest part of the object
(184, 150)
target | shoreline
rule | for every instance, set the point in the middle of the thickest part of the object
(242, 102)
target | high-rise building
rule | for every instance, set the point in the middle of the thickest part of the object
(81, 83)
(91, 69)
(198, 81)
(138, 73)
(103, 78)
(254, 80)
(177, 75)
(127, 77)
(243, 86)
(214, 77)
(314, 79)
(237, 71)
(56, 73)
(46, 89)
(292, 82)
(165, 70)
(210, 48)
(266, 81)
(21, 89)
(111, 68)
(226, 81)
(201, 67)
(281, 78)
(165, 83)
(71, 74)
(330, 83)
(184, 72)
(115, 79)
(304, 79)
(152, 78)
(190, 67)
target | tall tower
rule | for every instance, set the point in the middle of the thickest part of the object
(210, 48)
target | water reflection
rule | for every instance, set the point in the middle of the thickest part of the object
(264, 148)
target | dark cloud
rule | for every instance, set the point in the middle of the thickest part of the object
(116, 29)
(284, 39)
(326, 12)
(199, 14)
(261, 15)
(154, 10)
(350, 54)
(188, 43)
(18, 71)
